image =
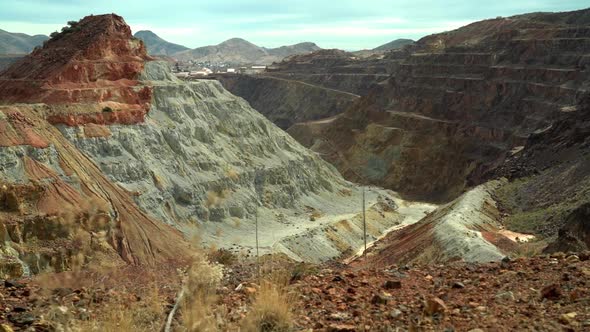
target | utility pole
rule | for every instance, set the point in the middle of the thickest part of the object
(364, 225)
(257, 254)
(362, 178)
(259, 189)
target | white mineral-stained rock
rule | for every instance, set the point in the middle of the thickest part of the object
(458, 231)
(205, 158)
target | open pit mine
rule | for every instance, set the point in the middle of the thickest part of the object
(94, 127)
(442, 185)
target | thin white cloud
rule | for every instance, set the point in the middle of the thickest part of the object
(262, 18)
(380, 20)
(352, 30)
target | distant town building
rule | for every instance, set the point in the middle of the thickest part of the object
(231, 70)
(255, 70)
(202, 72)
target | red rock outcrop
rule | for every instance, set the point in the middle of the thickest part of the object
(94, 61)
(87, 75)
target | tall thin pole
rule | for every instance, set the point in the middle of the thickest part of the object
(257, 253)
(364, 225)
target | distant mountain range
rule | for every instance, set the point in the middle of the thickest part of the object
(234, 51)
(237, 50)
(393, 45)
(19, 43)
(158, 46)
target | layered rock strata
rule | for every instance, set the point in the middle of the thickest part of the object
(458, 104)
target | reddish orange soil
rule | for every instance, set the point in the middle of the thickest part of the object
(545, 293)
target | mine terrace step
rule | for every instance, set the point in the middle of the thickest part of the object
(495, 81)
(524, 67)
(553, 39)
(451, 57)
(416, 116)
(456, 53)
(569, 32)
(536, 84)
(549, 103)
(453, 77)
(278, 74)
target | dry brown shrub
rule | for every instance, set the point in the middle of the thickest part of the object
(121, 301)
(232, 174)
(202, 280)
(271, 310)
(120, 315)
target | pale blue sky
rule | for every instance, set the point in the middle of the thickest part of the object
(344, 24)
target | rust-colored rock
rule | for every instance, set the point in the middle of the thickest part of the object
(84, 77)
(434, 305)
(16, 129)
(94, 130)
(97, 61)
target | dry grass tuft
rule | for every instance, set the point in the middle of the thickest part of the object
(202, 280)
(271, 310)
(232, 174)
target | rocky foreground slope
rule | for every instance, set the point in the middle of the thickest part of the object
(546, 293)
